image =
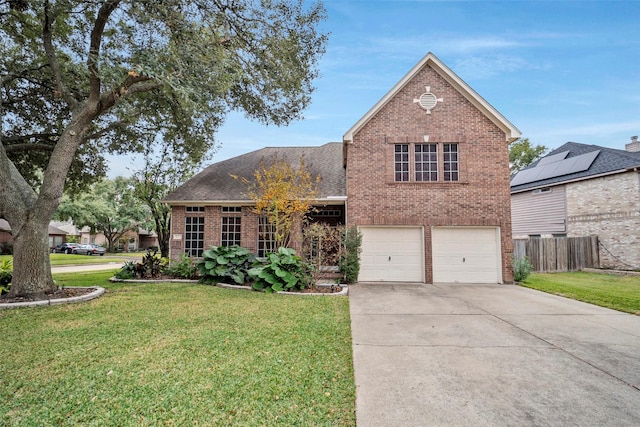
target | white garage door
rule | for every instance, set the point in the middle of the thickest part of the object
(392, 254)
(466, 255)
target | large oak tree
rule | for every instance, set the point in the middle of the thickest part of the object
(81, 78)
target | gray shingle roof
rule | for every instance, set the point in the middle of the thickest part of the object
(215, 183)
(609, 160)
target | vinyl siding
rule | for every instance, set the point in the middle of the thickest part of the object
(542, 213)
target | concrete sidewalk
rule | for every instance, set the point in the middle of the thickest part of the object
(85, 267)
(430, 355)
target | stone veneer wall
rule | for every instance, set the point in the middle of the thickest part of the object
(610, 208)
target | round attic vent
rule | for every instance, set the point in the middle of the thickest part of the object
(428, 101)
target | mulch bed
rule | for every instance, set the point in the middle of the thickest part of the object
(59, 293)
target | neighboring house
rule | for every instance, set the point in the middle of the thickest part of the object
(424, 175)
(131, 240)
(581, 190)
(57, 236)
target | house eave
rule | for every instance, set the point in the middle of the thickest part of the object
(512, 133)
(329, 200)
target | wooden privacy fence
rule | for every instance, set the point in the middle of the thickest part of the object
(559, 253)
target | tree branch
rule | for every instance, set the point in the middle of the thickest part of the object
(53, 59)
(94, 48)
(27, 146)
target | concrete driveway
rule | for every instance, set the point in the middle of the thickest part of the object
(471, 355)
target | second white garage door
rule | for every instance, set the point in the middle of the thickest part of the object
(392, 254)
(466, 255)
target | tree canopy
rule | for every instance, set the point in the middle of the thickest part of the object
(165, 168)
(283, 194)
(522, 153)
(109, 207)
(83, 78)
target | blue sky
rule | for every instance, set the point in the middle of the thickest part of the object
(558, 70)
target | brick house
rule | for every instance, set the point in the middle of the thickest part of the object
(424, 175)
(57, 236)
(582, 190)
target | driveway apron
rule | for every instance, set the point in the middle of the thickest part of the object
(472, 355)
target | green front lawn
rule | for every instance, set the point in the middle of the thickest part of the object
(177, 354)
(607, 290)
(70, 259)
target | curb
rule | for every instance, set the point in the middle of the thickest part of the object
(57, 301)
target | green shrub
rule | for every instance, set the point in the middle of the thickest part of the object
(223, 263)
(349, 262)
(283, 271)
(127, 271)
(151, 265)
(6, 274)
(186, 268)
(521, 269)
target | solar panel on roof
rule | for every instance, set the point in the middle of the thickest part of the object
(554, 169)
(552, 159)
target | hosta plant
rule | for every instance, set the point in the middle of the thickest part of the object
(283, 271)
(225, 263)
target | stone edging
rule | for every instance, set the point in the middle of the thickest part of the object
(116, 280)
(57, 301)
(343, 292)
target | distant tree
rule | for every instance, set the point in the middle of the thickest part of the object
(82, 78)
(522, 153)
(165, 168)
(109, 207)
(283, 194)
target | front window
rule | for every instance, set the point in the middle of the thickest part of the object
(401, 162)
(451, 163)
(194, 236)
(194, 209)
(266, 237)
(426, 162)
(230, 230)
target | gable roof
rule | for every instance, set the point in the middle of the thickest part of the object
(573, 162)
(512, 133)
(216, 185)
(4, 226)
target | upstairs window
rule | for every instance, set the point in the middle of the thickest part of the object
(401, 162)
(426, 162)
(451, 164)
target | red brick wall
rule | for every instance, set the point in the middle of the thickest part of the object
(480, 198)
(213, 228)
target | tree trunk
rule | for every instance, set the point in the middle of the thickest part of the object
(31, 266)
(163, 230)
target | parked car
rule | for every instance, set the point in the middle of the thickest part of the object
(66, 248)
(90, 250)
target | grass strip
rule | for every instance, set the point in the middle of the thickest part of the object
(177, 354)
(70, 259)
(618, 292)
